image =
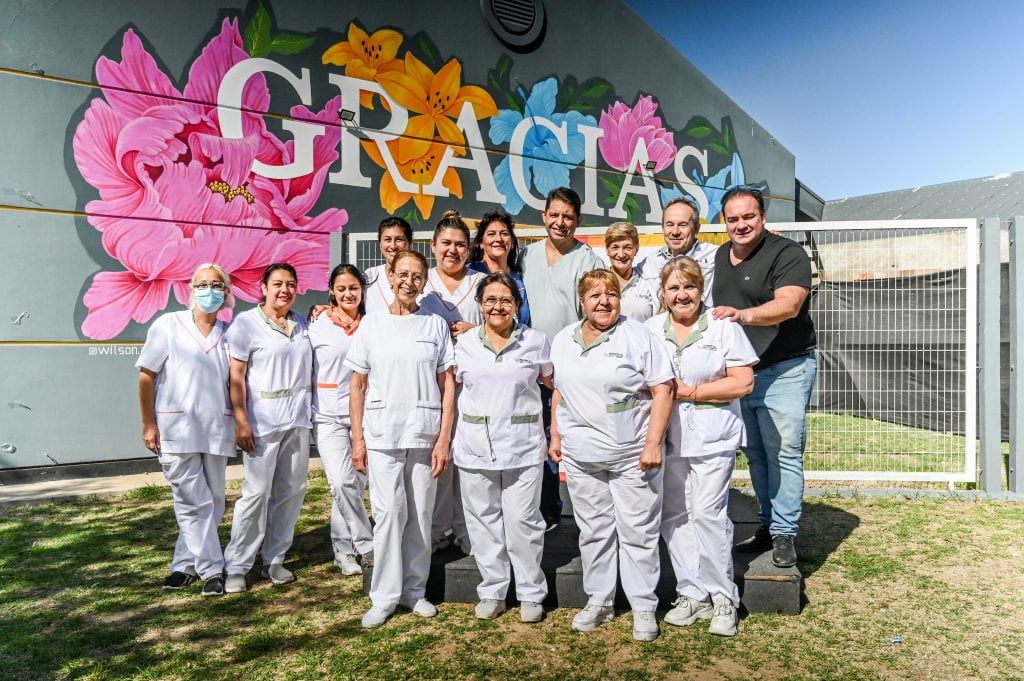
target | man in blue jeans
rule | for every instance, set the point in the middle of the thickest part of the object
(762, 281)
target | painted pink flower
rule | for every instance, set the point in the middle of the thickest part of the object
(623, 127)
(174, 193)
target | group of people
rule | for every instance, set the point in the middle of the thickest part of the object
(454, 393)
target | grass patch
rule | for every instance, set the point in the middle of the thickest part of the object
(80, 599)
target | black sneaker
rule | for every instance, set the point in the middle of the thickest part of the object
(214, 586)
(760, 542)
(783, 551)
(551, 522)
(176, 581)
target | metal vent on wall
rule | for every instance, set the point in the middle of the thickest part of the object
(517, 23)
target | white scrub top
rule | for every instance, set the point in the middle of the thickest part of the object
(402, 356)
(500, 424)
(554, 302)
(378, 294)
(193, 408)
(331, 378)
(704, 428)
(703, 253)
(280, 370)
(639, 300)
(452, 307)
(606, 407)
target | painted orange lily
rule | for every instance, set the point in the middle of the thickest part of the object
(438, 99)
(420, 170)
(366, 56)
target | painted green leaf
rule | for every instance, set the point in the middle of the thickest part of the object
(727, 136)
(718, 147)
(433, 57)
(582, 107)
(699, 127)
(504, 67)
(596, 88)
(289, 43)
(257, 33)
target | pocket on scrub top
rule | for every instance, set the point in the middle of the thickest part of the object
(173, 425)
(526, 428)
(425, 351)
(474, 435)
(625, 416)
(374, 420)
(427, 419)
(716, 424)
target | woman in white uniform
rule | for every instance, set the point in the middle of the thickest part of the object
(394, 235)
(500, 448)
(639, 300)
(271, 371)
(450, 293)
(713, 363)
(402, 406)
(187, 422)
(610, 409)
(332, 335)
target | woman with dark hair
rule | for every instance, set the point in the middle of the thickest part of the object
(449, 293)
(187, 422)
(271, 367)
(610, 409)
(500, 448)
(402, 405)
(394, 235)
(332, 335)
(495, 248)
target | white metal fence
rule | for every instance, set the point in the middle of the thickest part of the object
(895, 308)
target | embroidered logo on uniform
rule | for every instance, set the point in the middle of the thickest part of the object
(709, 346)
(617, 355)
(522, 360)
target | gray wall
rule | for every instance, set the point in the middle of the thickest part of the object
(67, 397)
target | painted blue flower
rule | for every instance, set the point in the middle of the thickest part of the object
(545, 165)
(717, 185)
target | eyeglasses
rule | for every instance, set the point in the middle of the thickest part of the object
(414, 277)
(215, 285)
(491, 301)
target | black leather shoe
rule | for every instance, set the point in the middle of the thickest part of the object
(783, 551)
(760, 542)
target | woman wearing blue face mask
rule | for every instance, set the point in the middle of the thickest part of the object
(188, 423)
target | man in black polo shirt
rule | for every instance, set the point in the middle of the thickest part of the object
(762, 281)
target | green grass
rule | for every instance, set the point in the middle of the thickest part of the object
(80, 599)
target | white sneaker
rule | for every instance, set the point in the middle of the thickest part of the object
(530, 612)
(592, 616)
(235, 584)
(374, 617)
(687, 611)
(725, 619)
(489, 608)
(422, 607)
(645, 625)
(278, 574)
(348, 564)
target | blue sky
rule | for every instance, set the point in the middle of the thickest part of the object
(869, 96)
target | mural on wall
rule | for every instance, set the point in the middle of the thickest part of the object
(190, 175)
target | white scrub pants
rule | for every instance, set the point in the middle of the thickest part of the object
(197, 485)
(273, 488)
(402, 492)
(618, 511)
(350, 526)
(449, 514)
(506, 527)
(695, 524)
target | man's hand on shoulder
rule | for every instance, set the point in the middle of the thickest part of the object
(731, 313)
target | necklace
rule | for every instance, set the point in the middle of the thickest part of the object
(344, 322)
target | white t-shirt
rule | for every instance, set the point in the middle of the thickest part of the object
(606, 407)
(639, 300)
(330, 375)
(193, 408)
(703, 428)
(402, 356)
(703, 253)
(500, 424)
(378, 293)
(280, 370)
(452, 307)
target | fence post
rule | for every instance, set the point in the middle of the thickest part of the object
(989, 410)
(1015, 474)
